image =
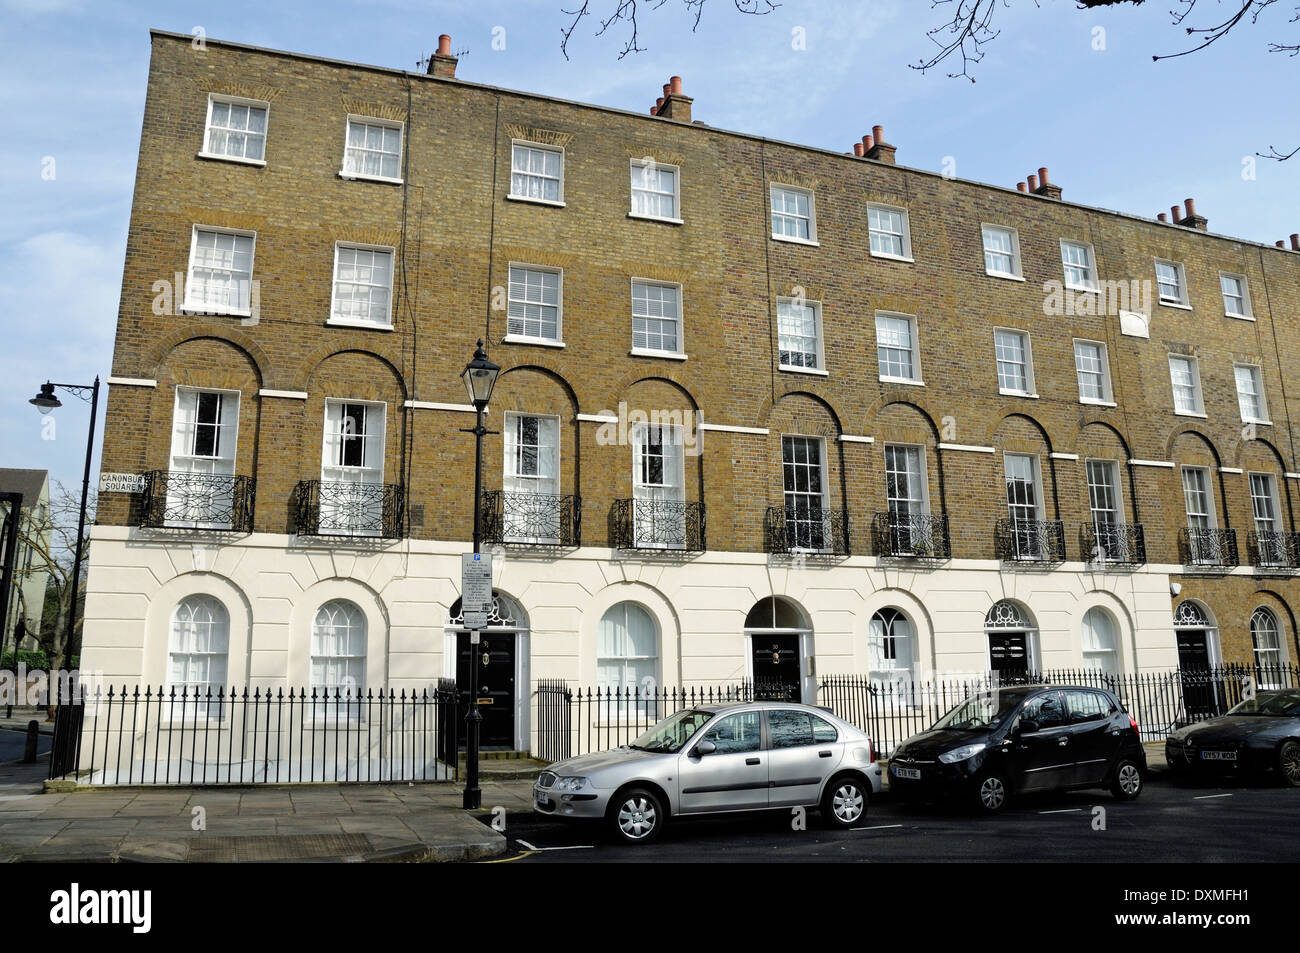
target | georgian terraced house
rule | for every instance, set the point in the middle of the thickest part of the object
(767, 411)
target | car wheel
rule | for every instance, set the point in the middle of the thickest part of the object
(845, 802)
(991, 793)
(1288, 763)
(637, 816)
(1127, 784)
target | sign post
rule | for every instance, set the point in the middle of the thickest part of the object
(475, 592)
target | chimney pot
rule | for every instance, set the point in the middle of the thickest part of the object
(1175, 213)
(1020, 186)
(878, 133)
(859, 149)
(444, 45)
(1280, 244)
(1163, 217)
(667, 90)
(654, 110)
(1042, 175)
(1033, 183)
(1295, 241)
(1190, 205)
(675, 85)
(659, 103)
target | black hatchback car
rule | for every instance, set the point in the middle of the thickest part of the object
(1021, 739)
(1260, 735)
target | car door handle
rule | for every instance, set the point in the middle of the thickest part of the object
(824, 754)
(751, 761)
(1064, 741)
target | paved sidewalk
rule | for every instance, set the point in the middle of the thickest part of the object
(333, 823)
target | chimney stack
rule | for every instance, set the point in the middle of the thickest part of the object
(1193, 220)
(443, 63)
(674, 105)
(1045, 188)
(880, 150)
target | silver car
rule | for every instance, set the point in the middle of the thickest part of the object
(716, 759)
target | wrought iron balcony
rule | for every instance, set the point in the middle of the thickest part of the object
(657, 524)
(197, 501)
(340, 508)
(532, 519)
(1274, 550)
(1208, 547)
(802, 529)
(1030, 541)
(1121, 544)
(911, 535)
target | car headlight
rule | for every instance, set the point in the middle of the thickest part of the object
(570, 784)
(962, 753)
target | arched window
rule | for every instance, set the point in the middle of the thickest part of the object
(1100, 642)
(892, 645)
(338, 657)
(1190, 615)
(627, 650)
(1266, 638)
(200, 648)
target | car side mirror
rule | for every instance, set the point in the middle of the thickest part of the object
(1026, 725)
(703, 748)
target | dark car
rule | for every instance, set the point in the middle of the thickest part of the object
(1262, 734)
(1017, 740)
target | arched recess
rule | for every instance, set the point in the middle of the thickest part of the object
(662, 406)
(1289, 630)
(1266, 487)
(1011, 633)
(901, 427)
(355, 376)
(925, 658)
(1018, 437)
(800, 426)
(661, 610)
(539, 449)
(156, 358)
(1125, 631)
(1192, 449)
(1104, 455)
(158, 623)
(1197, 634)
(778, 646)
(303, 615)
(501, 667)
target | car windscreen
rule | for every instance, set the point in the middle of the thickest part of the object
(983, 711)
(1274, 704)
(673, 732)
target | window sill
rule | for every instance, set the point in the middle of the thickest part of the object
(1017, 393)
(521, 339)
(238, 160)
(1175, 304)
(656, 218)
(788, 239)
(901, 380)
(1238, 317)
(1258, 423)
(816, 372)
(1004, 275)
(887, 257)
(1082, 289)
(208, 311)
(1097, 403)
(647, 352)
(533, 201)
(367, 325)
(1191, 413)
(363, 177)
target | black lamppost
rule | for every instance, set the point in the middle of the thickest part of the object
(45, 401)
(480, 375)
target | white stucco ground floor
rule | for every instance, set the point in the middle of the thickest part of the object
(279, 612)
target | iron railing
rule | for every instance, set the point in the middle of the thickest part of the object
(342, 508)
(532, 519)
(657, 524)
(208, 735)
(197, 501)
(808, 530)
(1208, 547)
(911, 535)
(1122, 544)
(1270, 549)
(1030, 541)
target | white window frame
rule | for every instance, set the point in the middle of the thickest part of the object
(512, 195)
(1030, 385)
(1182, 301)
(680, 353)
(1036, 473)
(1107, 388)
(334, 284)
(1092, 281)
(558, 340)
(525, 484)
(1116, 486)
(182, 462)
(1274, 502)
(917, 379)
(644, 163)
(194, 307)
(1196, 380)
(339, 702)
(361, 471)
(203, 152)
(1016, 274)
(1211, 513)
(199, 697)
(1249, 313)
(822, 493)
(1257, 376)
(812, 213)
(625, 704)
(906, 234)
(1269, 680)
(374, 121)
(673, 487)
(819, 346)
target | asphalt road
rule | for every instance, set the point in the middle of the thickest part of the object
(14, 743)
(1228, 821)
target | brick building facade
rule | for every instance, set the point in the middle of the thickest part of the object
(891, 420)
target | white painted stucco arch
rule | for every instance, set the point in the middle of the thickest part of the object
(162, 609)
(653, 601)
(297, 667)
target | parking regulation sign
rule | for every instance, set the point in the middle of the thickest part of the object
(475, 589)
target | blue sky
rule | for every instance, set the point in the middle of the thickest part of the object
(1116, 130)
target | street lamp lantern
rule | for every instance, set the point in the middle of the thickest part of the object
(480, 376)
(45, 401)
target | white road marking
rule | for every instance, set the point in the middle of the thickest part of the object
(1207, 797)
(575, 847)
(1065, 810)
(881, 827)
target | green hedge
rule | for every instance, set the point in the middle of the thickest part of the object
(35, 660)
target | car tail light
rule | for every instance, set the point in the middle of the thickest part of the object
(1136, 730)
(871, 750)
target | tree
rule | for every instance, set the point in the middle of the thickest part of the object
(626, 11)
(972, 27)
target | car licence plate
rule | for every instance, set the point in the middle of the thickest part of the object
(1218, 756)
(543, 797)
(912, 774)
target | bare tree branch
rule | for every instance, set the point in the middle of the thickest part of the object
(625, 11)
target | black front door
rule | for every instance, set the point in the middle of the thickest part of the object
(1201, 695)
(1009, 657)
(487, 672)
(776, 668)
